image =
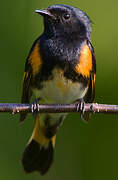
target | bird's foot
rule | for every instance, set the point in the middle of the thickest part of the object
(81, 107)
(35, 106)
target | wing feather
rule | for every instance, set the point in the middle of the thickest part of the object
(90, 96)
(32, 67)
(91, 89)
(26, 91)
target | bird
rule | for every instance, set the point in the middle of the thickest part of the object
(60, 69)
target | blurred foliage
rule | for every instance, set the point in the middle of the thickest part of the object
(83, 151)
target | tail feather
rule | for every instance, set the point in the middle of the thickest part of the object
(38, 154)
(37, 158)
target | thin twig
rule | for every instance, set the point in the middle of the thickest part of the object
(58, 108)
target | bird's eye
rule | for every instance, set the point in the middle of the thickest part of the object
(66, 16)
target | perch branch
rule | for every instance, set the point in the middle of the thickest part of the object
(58, 108)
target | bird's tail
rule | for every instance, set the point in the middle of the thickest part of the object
(38, 154)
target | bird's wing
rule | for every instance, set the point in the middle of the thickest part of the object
(87, 68)
(91, 89)
(32, 67)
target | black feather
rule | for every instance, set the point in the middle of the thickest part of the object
(37, 157)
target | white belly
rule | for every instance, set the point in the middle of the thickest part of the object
(60, 90)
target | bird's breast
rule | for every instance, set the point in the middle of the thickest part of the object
(59, 89)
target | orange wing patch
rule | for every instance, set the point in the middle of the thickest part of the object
(85, 63)
(35, 59)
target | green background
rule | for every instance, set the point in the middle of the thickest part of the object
(83, 151)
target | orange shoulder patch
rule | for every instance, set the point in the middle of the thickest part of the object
(35, 59)
(85, 62)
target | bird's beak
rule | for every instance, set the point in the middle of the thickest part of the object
(44, 12)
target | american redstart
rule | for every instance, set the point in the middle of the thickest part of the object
(60, 68)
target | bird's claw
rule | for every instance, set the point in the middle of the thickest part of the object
(81, 107)
(35, 106)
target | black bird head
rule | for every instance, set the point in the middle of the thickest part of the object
(66, 20)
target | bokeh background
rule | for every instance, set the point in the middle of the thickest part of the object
(83, 151)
